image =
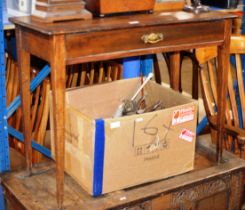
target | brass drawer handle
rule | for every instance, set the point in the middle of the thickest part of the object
(152, 38)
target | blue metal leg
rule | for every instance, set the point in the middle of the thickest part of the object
(1, 199)
(146, 65)
(35, 145)
(16, 103)
(4, 145)
(131, 67)
(34, 84)
(243, 32)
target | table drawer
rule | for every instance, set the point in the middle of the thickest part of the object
(128, 42)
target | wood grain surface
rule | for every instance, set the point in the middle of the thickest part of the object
(38, 191)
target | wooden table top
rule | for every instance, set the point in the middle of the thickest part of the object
(118, 22)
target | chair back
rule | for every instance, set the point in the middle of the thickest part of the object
(235, 101)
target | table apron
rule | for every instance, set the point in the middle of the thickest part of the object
(103, 45)
(37, 44)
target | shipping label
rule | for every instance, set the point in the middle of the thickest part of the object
(187, 135)
(183, 115)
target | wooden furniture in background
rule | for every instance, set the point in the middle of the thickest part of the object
(103, 7)
(235, 100)
(195, 67)
(77, 75)
(209, 186)
(59, 10)
(39, 107)
(98, 39)
(168, 5)
(93, 73)
(183, 54)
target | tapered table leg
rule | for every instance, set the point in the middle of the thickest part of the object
(58, 93)
(24, 76)
(157, 69)
(174, 59)
(223, 64)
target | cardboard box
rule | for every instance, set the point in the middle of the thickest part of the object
(105, 154)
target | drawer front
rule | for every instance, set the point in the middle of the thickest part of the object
(128, 42)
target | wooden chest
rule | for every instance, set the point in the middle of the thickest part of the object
(102, 7)
(209, 186)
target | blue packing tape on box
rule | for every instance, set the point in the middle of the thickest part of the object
(99, 157)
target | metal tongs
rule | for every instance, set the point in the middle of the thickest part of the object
(154, 107)
(131, 104)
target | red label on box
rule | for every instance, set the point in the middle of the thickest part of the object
(187, 135)
(183, 115)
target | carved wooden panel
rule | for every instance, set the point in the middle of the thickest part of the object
(218, 201)
(222, 193)
(237, 183)
(200, 191)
